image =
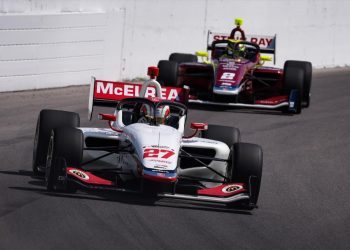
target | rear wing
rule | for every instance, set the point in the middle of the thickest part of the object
(266, 43)
(108, 93)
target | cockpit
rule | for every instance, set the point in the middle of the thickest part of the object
(235, 49)
(155, 113)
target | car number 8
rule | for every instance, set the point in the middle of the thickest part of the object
(227, 76)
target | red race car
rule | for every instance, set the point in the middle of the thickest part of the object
(236, 76)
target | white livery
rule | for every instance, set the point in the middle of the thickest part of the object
(146, 148)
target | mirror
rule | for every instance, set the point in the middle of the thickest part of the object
(266, 58)
(107, 117)
(202, 53)
(199, 126)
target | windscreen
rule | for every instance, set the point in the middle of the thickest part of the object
(140, 110)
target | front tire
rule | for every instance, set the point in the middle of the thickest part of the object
(225, 134)
(247, 163)
(168, 73)
(293, 79)
(307, 69)
(65, 149)
(183, 58)
(48, 120)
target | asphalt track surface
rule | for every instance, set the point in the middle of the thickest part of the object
(304, 201)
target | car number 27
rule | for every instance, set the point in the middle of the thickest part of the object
(157, 153)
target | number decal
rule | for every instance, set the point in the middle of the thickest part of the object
(227, 76)
(157, 153)
(168, 153)
(151, 153)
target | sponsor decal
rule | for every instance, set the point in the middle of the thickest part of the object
(229, 65)
(269, 102)
(155, 146)
(231, 188)
(119, 90)
(160, 167)
(79, 174)
(223, 87)
(263, 41)
(200, 140)
(160, 161)
(225, 84)
(220, 37)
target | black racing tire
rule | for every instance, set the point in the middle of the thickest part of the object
(65, 149)
(228, 135)
(48, 120)
(247, 163)
(168, 73)
(307, 68)
(183, 58)
(293, 79)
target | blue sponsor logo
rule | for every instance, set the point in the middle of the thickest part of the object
(229, 88)
(160, 173)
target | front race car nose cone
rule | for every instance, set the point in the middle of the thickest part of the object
(159, 175)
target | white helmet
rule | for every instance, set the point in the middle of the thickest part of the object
(159, 116)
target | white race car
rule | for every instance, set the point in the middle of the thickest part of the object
(144, 149)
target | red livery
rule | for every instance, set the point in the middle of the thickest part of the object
(236, 76)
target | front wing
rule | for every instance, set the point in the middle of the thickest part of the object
(223, 194)
(272, 103)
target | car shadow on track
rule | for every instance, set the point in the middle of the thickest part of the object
(19, 172)
(38, 186)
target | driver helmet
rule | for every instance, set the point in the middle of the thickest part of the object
(234, 50)
(159, 116)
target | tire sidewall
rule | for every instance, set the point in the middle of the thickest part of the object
(293, 79)
(47, 121)
(247, 162)
(168, 73)
(225, 134)
(307, 80)
(66, 145)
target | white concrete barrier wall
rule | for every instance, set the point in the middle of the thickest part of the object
(52, 43)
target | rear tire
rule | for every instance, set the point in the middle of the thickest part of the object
(307, 68)
(293, 78)
(247, 162)
(183, 58)
(48, 120)
(167, 73)
(228, 135)
(65, 149)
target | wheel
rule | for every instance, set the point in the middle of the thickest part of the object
(246, 167)
(167, 73)
(293, 78)
(182, 58)
(48, 120)
(307, 68)
(228, 135)
(65, 149)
